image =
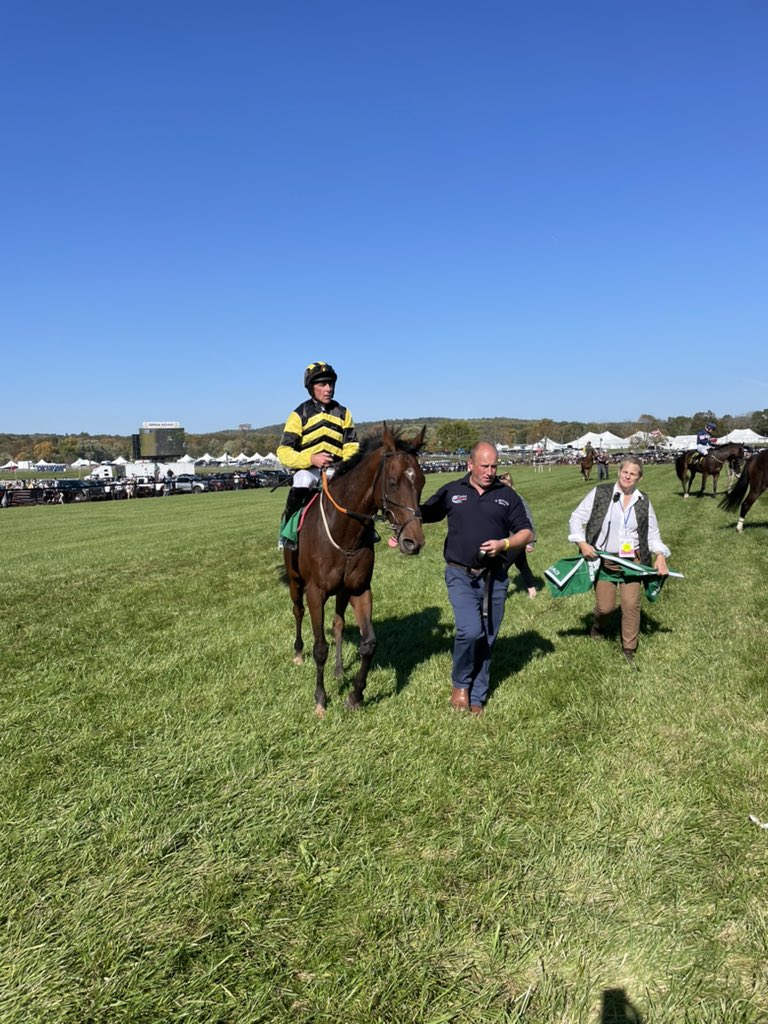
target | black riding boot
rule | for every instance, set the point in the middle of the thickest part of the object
(296, 500)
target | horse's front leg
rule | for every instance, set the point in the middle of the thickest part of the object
(316, 605)
(297, 600)
(362, 605)
(338, 632)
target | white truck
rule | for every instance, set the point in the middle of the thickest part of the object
(146, 469)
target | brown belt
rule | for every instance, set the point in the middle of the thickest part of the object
(474, 573)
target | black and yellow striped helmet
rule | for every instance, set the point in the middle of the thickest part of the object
(317, 373)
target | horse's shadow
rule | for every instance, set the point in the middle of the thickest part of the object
(403, 642)
(396, 649)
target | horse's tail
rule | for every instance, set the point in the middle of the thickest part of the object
(732, 499)
(680, 466)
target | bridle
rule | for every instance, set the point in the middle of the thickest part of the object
(385, 507)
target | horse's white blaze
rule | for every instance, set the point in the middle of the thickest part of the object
(410, 473)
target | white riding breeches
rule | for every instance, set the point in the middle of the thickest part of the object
(310, 477)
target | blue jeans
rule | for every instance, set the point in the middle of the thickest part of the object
(475, 633)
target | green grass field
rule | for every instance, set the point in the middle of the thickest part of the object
(183, 840)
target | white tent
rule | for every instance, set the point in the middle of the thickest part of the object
(10, 465)
(682, 442)
(547, 444)
(604, 440)
(120, 461)
(186, 458)
(270, 457)
(226, 459)
(207, 459)
(256, 457)
(82, 463)
(746, 436)
(642, 439)
(242, 457)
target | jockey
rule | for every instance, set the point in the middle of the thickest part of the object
(317, 434)
(705, 439)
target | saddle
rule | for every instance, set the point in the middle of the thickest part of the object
(290, 529)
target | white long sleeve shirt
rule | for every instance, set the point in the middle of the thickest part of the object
(619, 522)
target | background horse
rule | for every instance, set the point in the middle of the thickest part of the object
(334, 556)
(687, 466)
(754, 477)
(587, 463)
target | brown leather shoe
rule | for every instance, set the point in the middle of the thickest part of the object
(629, 656)
(459, 698)
(477, 709)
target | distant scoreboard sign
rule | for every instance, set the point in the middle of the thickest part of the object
(163, 439)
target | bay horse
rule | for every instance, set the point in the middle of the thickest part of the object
(754, 478)
(587, 463)
(335, 552)
(686, 466)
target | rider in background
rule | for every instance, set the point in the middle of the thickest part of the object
(317, 434)
(705, 439)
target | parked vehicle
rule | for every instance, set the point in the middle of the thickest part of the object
(274, 477)
(190, 483)
(221, 481)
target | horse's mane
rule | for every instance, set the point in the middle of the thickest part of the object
(370, 444)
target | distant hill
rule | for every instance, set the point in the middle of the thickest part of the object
(443, 432)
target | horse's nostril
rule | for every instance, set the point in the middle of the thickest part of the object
(411, 547)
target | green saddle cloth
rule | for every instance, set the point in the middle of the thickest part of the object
(290, 530)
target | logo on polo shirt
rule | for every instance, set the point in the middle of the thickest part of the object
(457, 499)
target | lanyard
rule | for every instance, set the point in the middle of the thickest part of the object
(626, 515)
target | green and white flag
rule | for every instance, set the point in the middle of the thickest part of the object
(636, 570)
(577, 575)
(571, 576)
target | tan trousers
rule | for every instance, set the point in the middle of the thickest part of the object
(605, 602)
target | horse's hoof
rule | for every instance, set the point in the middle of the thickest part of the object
(298, 659)
(319, 710)
(686, 495)
(351, 704)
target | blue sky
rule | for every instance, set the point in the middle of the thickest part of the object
(494, 208)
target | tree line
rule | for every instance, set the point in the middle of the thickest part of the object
(443, 435)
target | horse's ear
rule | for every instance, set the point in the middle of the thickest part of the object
(387, 437)
(418, 441)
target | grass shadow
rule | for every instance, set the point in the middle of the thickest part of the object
(516, 585)
(611, 631)
(617, 1009)
(512, 653)
(731, 527)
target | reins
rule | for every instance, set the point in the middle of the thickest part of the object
(386, 504)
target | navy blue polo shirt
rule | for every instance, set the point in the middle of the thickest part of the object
(474, 518)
